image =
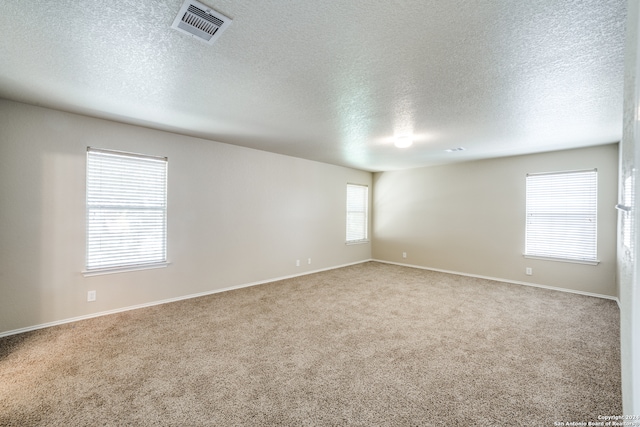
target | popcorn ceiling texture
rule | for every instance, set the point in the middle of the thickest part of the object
(371, 344)
(332, 81)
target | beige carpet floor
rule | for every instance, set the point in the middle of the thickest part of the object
(366, 345)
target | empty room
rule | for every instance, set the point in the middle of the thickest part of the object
(234, 213)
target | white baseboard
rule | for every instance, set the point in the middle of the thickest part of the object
(165, 301)
(261, 282)
(497, 279)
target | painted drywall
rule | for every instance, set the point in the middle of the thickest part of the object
(628, 267)
(235, 216)
(470, 218)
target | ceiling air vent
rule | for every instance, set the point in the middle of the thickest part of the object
(200, 21)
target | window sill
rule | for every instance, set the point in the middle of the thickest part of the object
(102, 271)
(573, 261)
(357, 242)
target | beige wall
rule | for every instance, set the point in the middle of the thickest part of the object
(236, 216)
(470, 218)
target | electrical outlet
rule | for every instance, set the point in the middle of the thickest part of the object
(297, 263)
(529, 271)
(404, 254)
(309, 261)
(91, 296)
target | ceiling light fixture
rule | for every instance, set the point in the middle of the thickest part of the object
(403, 141)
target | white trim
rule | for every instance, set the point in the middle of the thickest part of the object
(165, 301)
(127, 153)
(574, 261)
(497, 279)
(562, 172)
(101, 271)
(356, 242)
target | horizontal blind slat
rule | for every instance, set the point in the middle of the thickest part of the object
(357, 212)
(126, 209)
(561, 215)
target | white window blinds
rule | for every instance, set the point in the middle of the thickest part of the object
(357, 213)
(126, 210)
(562, 215)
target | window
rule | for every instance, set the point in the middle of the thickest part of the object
(562, 216)
(357, 213)
(126, 210)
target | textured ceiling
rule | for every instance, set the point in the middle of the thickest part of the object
(333, 81)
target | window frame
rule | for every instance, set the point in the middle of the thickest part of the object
(362, 209)
(107, 198)
(563, 216)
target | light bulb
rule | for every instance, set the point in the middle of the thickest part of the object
(403, 141)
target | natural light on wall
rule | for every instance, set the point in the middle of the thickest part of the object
(561, 216)
(126, 210)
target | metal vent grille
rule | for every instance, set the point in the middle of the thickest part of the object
(199, 21)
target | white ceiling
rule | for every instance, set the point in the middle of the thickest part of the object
(333, 81)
